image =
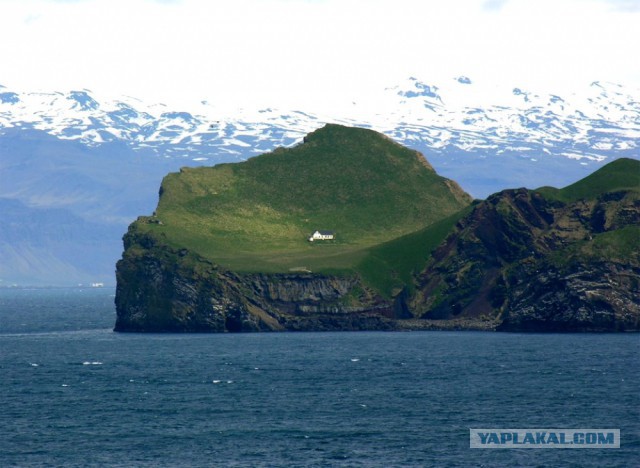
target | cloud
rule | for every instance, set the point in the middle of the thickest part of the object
(32, 18)
(624, 5)
(494, 5)
(290, 52)
(616, 5)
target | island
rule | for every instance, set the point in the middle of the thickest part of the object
(399, 247)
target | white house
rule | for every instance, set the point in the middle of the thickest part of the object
(322, 235)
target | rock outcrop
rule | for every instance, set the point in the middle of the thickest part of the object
(534, 263)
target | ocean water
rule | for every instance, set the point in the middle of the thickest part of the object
(73, 393)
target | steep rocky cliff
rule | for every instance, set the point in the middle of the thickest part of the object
(161, 289)
(538, 263)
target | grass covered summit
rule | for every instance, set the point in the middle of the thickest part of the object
(258, 215)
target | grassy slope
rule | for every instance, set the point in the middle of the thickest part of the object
(621, 174)
(257, 215)
(392, 265)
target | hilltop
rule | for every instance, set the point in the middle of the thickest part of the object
(257, 216)
(622, 174)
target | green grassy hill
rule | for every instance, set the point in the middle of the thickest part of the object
(258, 215)
(621, 174)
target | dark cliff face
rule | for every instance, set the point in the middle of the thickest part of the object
(538, 264)
(164, 290)
(596, 296)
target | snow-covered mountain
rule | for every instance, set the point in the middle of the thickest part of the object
(101, 158)
(589, 124)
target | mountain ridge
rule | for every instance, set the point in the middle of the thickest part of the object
(591, 126)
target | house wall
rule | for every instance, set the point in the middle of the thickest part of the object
(318, 236)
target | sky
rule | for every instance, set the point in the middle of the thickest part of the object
(311, 52)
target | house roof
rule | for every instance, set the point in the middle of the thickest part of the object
(325, 233)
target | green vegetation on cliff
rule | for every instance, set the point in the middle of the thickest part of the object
(376, 195)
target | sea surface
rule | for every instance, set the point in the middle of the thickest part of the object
(74, 393)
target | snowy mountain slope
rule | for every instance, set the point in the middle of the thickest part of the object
(595, 124)
(100, 159)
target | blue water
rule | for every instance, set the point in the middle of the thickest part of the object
(74, 393)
